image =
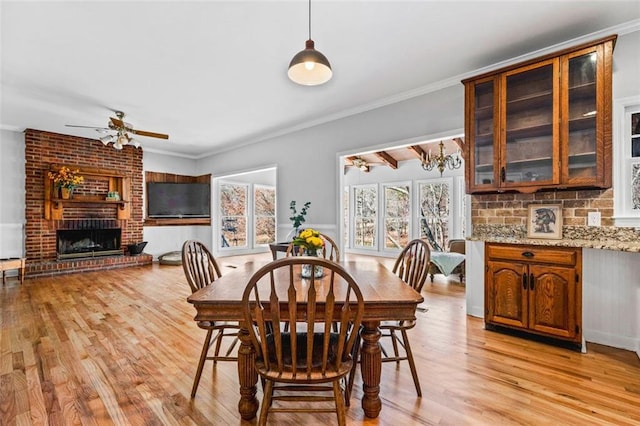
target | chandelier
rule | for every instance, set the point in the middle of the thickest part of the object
(441, 160)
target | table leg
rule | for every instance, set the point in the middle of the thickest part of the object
(371, 367)
(248, 378)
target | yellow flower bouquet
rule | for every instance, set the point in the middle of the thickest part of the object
(66, 178)
(309, 239)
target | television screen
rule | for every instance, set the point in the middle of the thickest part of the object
(176, 200)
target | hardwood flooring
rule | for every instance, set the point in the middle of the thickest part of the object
(121, 347)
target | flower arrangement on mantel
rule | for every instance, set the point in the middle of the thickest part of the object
(309, 239)
(298, 218)
(66, 178)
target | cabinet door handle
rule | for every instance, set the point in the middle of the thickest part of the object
(524, 281)
(531, 284)
(503, 174)
(527, 254)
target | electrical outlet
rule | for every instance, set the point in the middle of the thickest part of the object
(593, 219)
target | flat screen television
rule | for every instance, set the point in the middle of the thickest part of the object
(178, 200)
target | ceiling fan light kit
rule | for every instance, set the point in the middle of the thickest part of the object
(309, 67)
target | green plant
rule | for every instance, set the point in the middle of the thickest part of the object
(298, 218)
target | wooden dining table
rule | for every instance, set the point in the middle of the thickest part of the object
(386, 297)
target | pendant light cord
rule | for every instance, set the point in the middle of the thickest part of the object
(309, 19)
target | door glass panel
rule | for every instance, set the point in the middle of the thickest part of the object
(529, 126)
(434, 213)
(483, 133)
(365, 217)
(582, 116)
(233, 215)
(396, 216)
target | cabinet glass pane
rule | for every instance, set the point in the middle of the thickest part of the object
(483, 137)
(582, 116)
(529, 126)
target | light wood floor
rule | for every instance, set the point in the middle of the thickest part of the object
(120, 347)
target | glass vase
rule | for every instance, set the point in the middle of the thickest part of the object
(318, 271)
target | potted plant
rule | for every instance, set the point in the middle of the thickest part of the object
(66, 180)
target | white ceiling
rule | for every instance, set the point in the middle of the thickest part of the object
(212, 74)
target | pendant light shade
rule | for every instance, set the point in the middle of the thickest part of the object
(309, 67)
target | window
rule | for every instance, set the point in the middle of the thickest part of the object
(265, 214)
(365, 217)
(627, 162)
(233, 214)
(434, 202)
(397, 214)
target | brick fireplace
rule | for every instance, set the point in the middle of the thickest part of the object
(44, 149)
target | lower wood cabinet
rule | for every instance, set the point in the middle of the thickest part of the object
(537, 289)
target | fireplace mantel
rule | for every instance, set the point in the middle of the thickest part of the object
(54, 206)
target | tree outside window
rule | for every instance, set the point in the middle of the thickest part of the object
(434, 213)
(365, 217)
(265, 215)
(233, 215)
(396, 216)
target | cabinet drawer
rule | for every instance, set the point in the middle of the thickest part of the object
(521, 253)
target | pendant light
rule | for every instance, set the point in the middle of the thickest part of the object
(309, 67)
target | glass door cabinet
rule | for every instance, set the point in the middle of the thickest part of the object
(542, 124)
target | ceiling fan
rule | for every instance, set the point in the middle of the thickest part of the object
(359, 163)
(122, 130)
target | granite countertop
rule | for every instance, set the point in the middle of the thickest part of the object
(606, 238)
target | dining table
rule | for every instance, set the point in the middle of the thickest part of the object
(386, 298)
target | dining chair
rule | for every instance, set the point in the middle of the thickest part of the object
(201, 269)
(454, 246)
(458, 246)
(412, 266)
(330, 250)
(298, 366)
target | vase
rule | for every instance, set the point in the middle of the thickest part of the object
(318, 271)
(66, 193)
(292, 234)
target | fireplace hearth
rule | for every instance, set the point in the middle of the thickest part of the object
(88, 238)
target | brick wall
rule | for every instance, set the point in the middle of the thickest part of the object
(512, 209)
(43, 149)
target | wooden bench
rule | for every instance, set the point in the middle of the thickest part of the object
(12, 263)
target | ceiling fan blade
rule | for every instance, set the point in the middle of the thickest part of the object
(117, 122)
(149, 134)
(87, 127)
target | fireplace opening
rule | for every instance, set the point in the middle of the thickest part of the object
(78, 243)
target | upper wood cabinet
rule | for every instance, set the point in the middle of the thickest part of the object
(545, 123)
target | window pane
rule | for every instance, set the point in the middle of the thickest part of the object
(365, 201)
(265, 230)
(397, 215)
(233, 215)
(265, 215)
(434, 214)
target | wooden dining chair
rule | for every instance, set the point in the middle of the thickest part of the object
(330, 250)
(201, 269)
(295, 366)
(454, 246)
(412, 266)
